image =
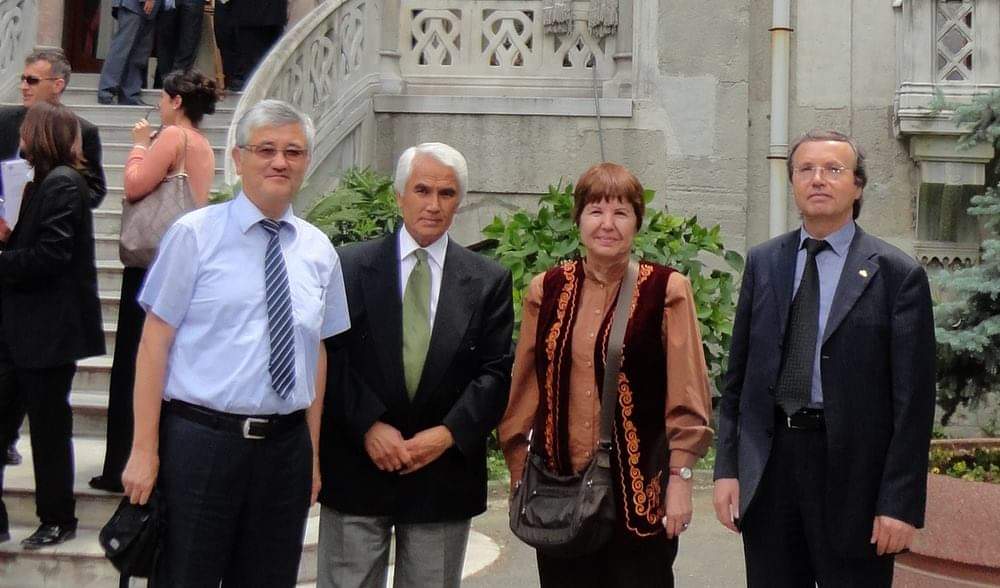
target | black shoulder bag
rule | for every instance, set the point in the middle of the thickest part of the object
(568, 516)
(132, 538)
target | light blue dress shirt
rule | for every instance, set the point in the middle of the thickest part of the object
(830, 263)
(208, 283)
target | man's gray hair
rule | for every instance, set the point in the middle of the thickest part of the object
(273, 113)
(55, 57)
(444, 154)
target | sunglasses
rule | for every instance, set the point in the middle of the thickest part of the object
(33, 80)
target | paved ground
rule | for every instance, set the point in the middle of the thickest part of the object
(709, 557)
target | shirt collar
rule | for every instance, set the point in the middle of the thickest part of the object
(839, 240)
(436, 250)
(247, 214)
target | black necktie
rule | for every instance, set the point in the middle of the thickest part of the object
(795, 380)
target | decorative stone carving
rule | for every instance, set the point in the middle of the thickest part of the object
(17, 35)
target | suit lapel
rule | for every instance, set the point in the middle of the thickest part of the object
(454, 309)
(859, 271)
(385, 311)
(783, 276)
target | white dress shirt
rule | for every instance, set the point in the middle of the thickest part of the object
(435, 259)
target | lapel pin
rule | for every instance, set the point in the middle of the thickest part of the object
(863, 273)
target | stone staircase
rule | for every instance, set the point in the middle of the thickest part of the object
(80, 562)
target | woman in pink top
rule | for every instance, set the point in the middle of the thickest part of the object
(186, 98)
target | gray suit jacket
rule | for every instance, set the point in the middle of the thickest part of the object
(878, 356)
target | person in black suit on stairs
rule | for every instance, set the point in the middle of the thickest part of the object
(50, 315)
(826, 413)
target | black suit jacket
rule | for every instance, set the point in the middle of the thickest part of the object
(464, 385)
(878, 356)
(50, 314)
(11, 118)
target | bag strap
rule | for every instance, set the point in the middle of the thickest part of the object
(613, 364)
(184, 153)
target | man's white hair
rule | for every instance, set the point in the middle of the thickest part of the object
(444, 154)
(274, 113)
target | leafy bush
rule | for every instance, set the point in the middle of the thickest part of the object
(362, 207)
(978, 465)
(968, 314)
(529, 244)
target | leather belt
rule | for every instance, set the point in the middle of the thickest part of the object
(806, 419)
(255, 427)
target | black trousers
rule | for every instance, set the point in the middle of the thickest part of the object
(241, 47)
(130, 321)
(784, 534)
(236, 508)
(625, 562)
(178, 34)
(44, 395)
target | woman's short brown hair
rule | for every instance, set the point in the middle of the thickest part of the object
(608, 181)
(51, 135)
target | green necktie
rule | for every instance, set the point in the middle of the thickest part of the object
(416, 321)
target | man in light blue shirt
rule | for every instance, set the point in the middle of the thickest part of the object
(237, 302)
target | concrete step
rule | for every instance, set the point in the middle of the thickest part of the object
(117, 153)
(114, 175)
(120, 131)
(109, 306)
(80, 561)
(106, 246)
(109, 275)
(93, 374)
(101, 115)
(78, 95)
(107, 221)
(112, 202)
(90, 415)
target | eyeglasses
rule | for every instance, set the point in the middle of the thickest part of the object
(33, 80)
(830, 171)
(269, 152)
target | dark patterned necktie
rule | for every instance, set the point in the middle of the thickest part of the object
(794, 389)
(279, 313)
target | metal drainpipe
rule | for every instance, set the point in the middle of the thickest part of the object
(781, 33)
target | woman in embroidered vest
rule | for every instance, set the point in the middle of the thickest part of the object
(186, 98)
(661, 422)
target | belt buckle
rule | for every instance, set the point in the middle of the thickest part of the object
(788, 420)
(246, 428)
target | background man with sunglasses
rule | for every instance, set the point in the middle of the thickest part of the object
(826, 412)
(46, 75)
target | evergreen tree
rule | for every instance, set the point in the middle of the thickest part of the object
(968, 314)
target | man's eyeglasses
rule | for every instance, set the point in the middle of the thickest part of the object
(269, 152)
(33, 80)
(830, 171)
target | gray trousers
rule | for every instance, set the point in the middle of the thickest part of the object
(131, 46)
(354, 552)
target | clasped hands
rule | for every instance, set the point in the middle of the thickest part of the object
(392, 453)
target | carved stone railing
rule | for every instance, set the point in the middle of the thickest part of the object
(473, 44)
(327, 65)
(18, 27)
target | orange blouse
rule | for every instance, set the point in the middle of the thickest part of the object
(688, 402)
(146, 168)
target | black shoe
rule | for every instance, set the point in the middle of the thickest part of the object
(134, 102)
(105, 98)
(12, 458)
(103, 483)
(49, 535)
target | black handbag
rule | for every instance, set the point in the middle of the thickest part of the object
(568, 516)
(132, 538)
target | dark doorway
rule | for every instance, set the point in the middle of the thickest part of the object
(81, 28)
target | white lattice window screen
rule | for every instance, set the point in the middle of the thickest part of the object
(954, 46)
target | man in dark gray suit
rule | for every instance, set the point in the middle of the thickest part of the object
(414, 389)
(131, 47)
(826, 414)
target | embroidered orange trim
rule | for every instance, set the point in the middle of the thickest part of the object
(551, 342)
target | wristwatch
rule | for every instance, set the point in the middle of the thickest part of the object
(683, 473)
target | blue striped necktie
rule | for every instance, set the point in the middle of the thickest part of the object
(279, 313)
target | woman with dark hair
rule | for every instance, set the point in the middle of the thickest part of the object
(50, 315)
(661, 404)
(186, 98)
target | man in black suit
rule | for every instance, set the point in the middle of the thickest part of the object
(414, 389)
(245, 30)
(46, 74)
(826, 414)
(50, 316)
